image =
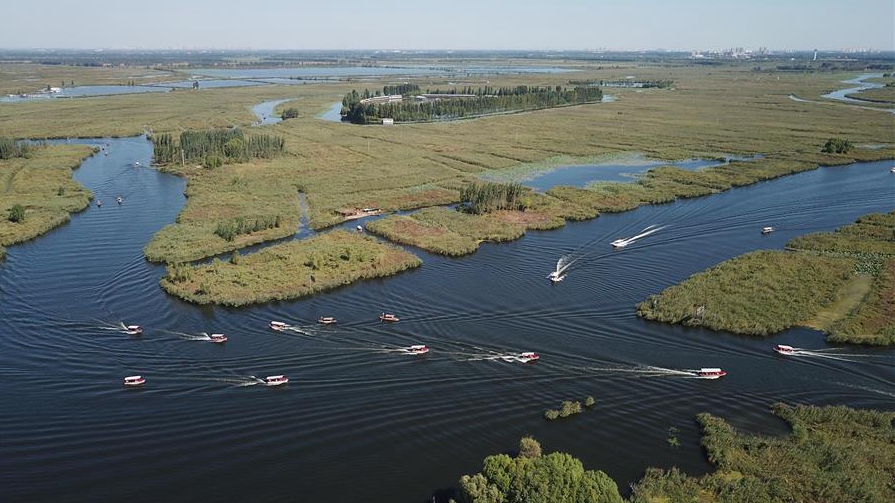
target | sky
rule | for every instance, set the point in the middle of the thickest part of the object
(454, 24)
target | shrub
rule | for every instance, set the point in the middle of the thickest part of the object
(837, 146)
(290, 113)
(529, 448)
(589, 401)
(17, 213)
(551, 414)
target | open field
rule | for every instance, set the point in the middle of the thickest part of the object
(840, 282)
(288, 271)
(834, 454)
(42, 184)
(16, 78)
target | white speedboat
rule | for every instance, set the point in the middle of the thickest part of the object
(279, 326)
(391, 318)
(133, 330)
(326, 320)
(133, 381)
(783, 349)
(710, 373)
(556, 277)
(136, 164)
(417, 349)
(119, 199)
(619, 243)
(217, 338)
(767, 230)
(276, 380)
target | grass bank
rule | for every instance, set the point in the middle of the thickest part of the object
(880, 95)
(841, 282)
(42, 184)
(288, 271)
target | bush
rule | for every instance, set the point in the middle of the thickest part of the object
(551, 414)
(17, 213)
(290, 113)
(589, 401)
(837, 146)
(529, 448)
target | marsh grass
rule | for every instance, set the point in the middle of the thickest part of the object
(288, 271)
(445, 231)
(834, 454)
(41, 184)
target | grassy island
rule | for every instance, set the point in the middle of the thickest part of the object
(841, 282)
(38, 181)
(878, 96)
(834, 455)
(288, 271)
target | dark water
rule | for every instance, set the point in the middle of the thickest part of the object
(581, 176)
(359, 422)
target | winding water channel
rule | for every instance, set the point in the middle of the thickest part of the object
(359, 421)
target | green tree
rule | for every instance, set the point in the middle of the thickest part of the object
(17, 213)
(290, 113)
(529, 448)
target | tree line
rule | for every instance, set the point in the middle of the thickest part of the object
(215, 147)
(485, 100)
(229, 229)
(10, 149)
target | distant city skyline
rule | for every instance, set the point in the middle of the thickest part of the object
(683, 25)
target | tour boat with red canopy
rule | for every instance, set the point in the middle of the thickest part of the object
(218, 338)
(391, 318)
(710, 373)
(326, 320)
(276, 380)
(417, 349)
(132, 381)
(784, 349)
(279, 326)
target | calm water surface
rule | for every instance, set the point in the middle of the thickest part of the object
(360, 422)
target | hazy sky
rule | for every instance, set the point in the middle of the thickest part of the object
(453, 24)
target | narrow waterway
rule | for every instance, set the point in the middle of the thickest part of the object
(398, 427)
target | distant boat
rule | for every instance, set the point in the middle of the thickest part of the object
(133, 330)
(527, 357)
(279, 326)
(133, 381)
(391, 318)
(119, 200)
(710, 373)
(784, 349)
(892, 169)
(218, 338)
(556, 277)
(136, 164)
(767, 230)
(99, 203)
(619, 243)
(276, 380)
(326, 320)
(417, 349)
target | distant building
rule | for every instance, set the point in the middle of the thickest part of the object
(377, 100)
(388, 122)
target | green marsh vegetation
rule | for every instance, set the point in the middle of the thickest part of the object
(834, 454)
(837, 146)
(840, 282)
(567, 408)
(288, 271)
(37, 192)
(289, 113)
(215, 147)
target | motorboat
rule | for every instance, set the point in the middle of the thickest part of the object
(276, 380)
(619, 243)
(360, 229)
(417, 349)
(528, 357)
(391, 318)
(133, 381)
(556, 277)
(99, 203)
(767, 230)
(133, 330)
(326, 320)
(136, 164)
(784, 349)
(119, 200)
(279, 326)
(710, 373)
(217, 338)
(892, 170)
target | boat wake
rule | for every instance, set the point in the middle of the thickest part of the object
(563, 265)
(623, 242)
(241, 381)
(835, 354)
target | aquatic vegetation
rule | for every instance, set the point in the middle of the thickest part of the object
(37, 192)
(552, 478)
(566, 409)
(818, 282)
(10, 148)
(215, 147)
(486, 197)
(288, 271)
(834, 454)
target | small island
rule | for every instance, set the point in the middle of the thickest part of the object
(841, 282)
